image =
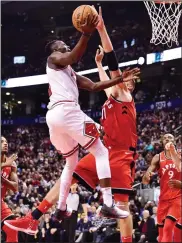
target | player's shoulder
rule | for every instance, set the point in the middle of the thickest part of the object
(114, 99)
(156, 158)
(123, 95)
(14, 165)
(162, 157)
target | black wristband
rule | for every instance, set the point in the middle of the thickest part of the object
(112, 61)
(86, 34)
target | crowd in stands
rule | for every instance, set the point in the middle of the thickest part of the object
(39, 166)
(144, 92)
(126, 49)
(130, 37)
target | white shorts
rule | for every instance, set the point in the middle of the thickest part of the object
(70, 126)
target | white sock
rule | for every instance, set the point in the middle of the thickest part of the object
(63, 194)
(65, 180)
(107, 196)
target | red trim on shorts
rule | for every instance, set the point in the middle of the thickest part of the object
(93, 137)
(62, 101)
(89, 144)
(66, 155)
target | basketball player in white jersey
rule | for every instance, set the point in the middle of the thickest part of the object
(69, 126)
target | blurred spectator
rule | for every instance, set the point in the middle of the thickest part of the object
(70, 224)
(154, 215)
(83, 231)
(50, 232)
(147, 228)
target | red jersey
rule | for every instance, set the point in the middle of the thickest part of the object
(119, 123)
(5, 173)
(166, 172)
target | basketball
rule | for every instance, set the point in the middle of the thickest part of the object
(80, 15)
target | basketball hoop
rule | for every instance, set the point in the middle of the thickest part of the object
(164, 16)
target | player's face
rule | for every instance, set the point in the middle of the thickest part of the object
(62, 47)
(130, 85)
(154, 210)
(4, 145)
(145, 214)
(168, 138)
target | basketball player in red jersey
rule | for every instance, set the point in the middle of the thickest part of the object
(176, 184)
(124, 151)
(9, 181)
(169, 207)
(119, 124)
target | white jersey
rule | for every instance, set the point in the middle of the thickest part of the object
(62, 85)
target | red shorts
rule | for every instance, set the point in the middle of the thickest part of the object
(169, 209)
(5, 211)
(122, 173)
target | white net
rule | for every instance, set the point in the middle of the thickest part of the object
(165, 18)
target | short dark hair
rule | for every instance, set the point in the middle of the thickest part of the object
(48, 47)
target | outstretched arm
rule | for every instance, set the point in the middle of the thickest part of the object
(150, 172)
(102, 73)
(68, 58)
(127, 75)
(86, 83)
(112, 60)
(107, 44)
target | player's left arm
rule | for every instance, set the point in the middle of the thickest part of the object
(86, 83)
(111, 55)
(11, 184)
(108, 48)
(102, 73)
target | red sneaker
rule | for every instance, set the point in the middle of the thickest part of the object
(11, 235)
(25, 224)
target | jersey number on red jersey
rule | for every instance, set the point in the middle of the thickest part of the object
(107, 103)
